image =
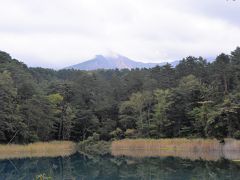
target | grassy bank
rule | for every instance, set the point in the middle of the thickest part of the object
(208, 149)
(40, 149)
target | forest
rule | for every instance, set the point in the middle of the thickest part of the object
(195, 99)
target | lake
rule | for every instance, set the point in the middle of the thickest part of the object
(79, 166)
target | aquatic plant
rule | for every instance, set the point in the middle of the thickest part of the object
(43, 177)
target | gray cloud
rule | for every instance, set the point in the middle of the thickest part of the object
(225, 10)
(57, 33)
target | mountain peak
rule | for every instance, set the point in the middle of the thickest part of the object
(112, 54)
(109, 56)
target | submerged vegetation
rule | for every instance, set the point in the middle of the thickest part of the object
(41, 149)
(43, 177)
(194, 99)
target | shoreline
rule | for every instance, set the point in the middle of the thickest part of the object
(206, 149)
(38, 149)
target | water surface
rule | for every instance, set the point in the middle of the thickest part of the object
(80, 166)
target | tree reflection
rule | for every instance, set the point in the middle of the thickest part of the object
(84, 167)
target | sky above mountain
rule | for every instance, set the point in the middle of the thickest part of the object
(58, 33)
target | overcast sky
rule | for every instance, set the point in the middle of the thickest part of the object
(59, 33)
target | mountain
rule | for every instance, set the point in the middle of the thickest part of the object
(114, 62)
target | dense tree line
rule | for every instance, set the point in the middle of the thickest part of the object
(194, 99)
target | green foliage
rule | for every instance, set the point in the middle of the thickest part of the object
(85, 123)
(130, 133)
(10, 121)
(55, 98)
(193, 99)
(161, 124)
(90, 146)
(137, 112)
(117, 134)
(236, 134)
(202, 115)
(38, 114)
(96, 137)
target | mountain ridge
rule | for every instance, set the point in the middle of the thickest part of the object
(114, 62)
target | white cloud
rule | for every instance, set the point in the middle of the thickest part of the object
(58, 33)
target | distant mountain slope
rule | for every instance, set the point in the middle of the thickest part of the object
(113, 62)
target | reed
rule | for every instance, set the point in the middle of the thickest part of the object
(207, 149)
(40, 149)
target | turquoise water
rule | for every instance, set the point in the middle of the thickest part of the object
(83, 167)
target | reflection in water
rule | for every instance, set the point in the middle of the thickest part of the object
(193, 155)
(193, 149)
(82, 167)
